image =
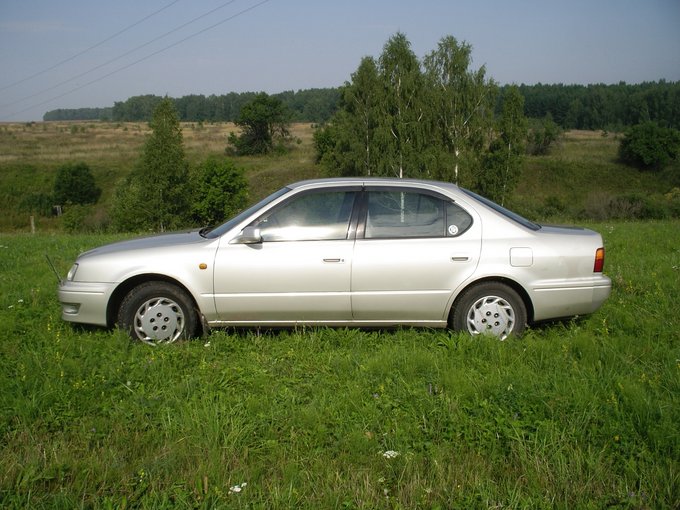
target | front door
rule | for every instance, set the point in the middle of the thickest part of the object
(299, 273)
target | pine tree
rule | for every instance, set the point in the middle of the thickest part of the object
(155, 196)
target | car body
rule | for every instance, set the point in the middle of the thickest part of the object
(345, 252)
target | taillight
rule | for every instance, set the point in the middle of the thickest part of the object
(599, 260)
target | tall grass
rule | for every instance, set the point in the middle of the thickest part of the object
(580, 414)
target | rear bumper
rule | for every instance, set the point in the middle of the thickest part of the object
(557, 299)
(85, 303)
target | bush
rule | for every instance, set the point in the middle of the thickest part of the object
(542, 134)
(631, 206)
(75, 184)
(37, 203)
(649, 146)
(220, 192)
(81, 219)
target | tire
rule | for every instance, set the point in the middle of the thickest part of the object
(158, 313)
(490, 308)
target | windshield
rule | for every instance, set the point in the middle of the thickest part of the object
(502, 210)
(225, 227)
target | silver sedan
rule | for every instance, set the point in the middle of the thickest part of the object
(345, 252)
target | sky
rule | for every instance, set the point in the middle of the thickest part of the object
(92, 53)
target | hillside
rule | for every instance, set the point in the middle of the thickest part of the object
(575, 180)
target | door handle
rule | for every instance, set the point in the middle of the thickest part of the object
(460, 258)
(334, 261)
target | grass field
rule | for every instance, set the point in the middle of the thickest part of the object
(576, 415)
(582, 414)
(30, 155)
(576, 179)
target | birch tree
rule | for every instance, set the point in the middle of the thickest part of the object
(463, 104)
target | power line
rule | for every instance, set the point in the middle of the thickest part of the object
(87, 49)
(244, 11)
(169, 32)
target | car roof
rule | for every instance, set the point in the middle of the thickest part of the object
(367, 181)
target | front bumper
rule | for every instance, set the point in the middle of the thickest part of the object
(85, 303)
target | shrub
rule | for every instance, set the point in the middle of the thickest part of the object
(37, 203)
(75, 184)
(630, 206)
(74, 217)
(649, 146)
(543, 133)
(220, 191)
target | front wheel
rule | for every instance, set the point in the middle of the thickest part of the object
(490, 308)
(157, 313)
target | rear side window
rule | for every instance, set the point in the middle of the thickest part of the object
(410, 214)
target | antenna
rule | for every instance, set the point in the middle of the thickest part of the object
(54, 270)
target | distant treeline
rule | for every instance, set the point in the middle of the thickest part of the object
(610, 107)
(79, 114)
(313, 105)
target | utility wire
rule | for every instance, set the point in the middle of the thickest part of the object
(143, 58)
(87, 49)
(169, 32)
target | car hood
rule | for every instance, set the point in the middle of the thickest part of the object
(175, 239)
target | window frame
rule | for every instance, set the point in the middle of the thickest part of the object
(363, 212)
(352, 222)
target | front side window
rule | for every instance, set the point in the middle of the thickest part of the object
(309, 217)
(404, 214)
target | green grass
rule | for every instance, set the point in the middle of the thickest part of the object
(581, 414)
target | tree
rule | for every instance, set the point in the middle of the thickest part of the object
(394, 119)
(649, 146)
(463, 108)
(75, 184)
(220, 191)
(400, 127)
(155, 195)
(263, 121)
(346, 146)
(504, 159)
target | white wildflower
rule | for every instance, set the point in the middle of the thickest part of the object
(390, 454)
(237, 488)
(207, 344)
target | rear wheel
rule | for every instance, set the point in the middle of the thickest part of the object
(490, 308)
(157, 313)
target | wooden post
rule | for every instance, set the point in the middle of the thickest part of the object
(32, 224)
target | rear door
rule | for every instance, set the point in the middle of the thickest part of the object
(413, 248)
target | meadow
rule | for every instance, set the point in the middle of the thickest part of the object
(576, 414)
(577, 179)
(581, 414)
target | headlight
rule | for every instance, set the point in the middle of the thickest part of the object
(72, 273)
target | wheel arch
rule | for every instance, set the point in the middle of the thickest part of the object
(125, 287)
(521, 291)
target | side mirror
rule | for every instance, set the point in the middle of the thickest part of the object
(250, 235)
